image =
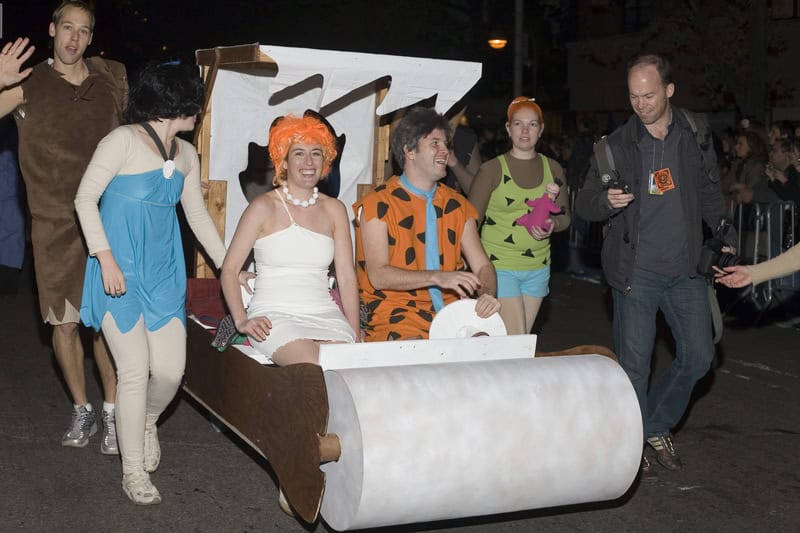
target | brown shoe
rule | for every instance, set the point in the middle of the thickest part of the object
(665, 452)
(648, 470)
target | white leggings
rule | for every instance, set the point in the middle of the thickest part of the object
(150, 367)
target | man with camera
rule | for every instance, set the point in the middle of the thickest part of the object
(664, 184)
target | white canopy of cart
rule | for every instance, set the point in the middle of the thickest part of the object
(340, 86)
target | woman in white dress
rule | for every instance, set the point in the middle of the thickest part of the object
(296, 232)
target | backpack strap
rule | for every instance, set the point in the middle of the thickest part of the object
(699, 127)
(702, 135)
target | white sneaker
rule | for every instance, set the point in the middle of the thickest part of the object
(140, 489)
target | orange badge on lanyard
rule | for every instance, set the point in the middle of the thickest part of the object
(663, 180)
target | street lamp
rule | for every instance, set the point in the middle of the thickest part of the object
(497, 40)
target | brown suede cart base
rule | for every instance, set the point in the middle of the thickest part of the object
(281, 412)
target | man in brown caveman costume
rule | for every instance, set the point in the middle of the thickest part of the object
(63, 107)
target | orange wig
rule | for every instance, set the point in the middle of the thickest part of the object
(521, 102)
(290, 130)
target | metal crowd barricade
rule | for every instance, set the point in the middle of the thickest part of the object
(765, 231)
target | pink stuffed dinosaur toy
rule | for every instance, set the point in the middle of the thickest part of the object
(541, 209)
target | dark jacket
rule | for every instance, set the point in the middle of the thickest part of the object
(699, 188)
(789, 191)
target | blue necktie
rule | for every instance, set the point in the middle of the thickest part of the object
(431, 237)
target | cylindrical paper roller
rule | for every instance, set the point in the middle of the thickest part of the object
(441, 441)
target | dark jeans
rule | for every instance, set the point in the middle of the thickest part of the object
(684, 302)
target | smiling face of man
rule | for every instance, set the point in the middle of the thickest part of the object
(428, 161)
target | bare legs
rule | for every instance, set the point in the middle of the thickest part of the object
(297, 351)
(69, 354)
(519, 313)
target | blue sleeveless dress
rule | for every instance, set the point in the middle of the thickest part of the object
(141, 224)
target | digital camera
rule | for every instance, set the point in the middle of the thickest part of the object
(711, 255)
(613, 181)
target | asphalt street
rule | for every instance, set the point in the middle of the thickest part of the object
(739, 445)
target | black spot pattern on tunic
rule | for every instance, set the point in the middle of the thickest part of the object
(451, 236)
(407, 223)
(425, 315)
(509, 201)
(506, 178)
(528, 253)
(368, 312)
(383, 207)
(411, 255)
(452, 205)
(489, 221)
(421, 236)
(509, 239)
(402, 194)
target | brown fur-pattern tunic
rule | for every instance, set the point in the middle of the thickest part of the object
(59, 127)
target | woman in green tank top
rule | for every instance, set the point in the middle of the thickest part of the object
(499, 192)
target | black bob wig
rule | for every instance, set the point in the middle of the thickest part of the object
(165, 91)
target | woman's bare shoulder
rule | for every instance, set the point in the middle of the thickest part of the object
(264, 204)
(331, 204)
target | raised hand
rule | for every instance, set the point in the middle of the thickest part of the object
(13, 55)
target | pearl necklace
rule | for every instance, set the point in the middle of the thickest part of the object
(301, 203)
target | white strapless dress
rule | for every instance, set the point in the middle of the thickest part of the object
(292, 289)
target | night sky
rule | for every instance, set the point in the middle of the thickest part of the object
(134, 31)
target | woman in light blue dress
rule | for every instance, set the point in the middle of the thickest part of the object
(135, 282)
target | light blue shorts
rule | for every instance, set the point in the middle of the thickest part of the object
(514, 283)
